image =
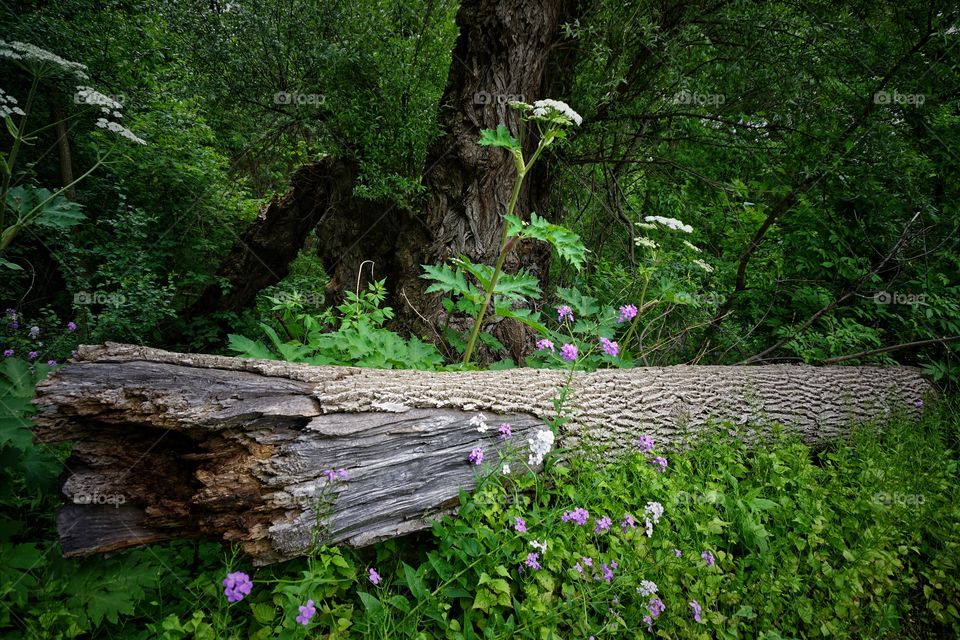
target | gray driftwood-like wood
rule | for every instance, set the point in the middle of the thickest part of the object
(171, 446)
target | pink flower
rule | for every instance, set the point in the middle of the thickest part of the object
(627, 313)
(660, 463)
(568, 352)
(544, 344)
(374, 577)
(520, 525)
(564, 312)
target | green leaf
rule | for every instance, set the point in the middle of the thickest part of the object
(567, 243)
(498, 138)
(10, 265)
(55, 212)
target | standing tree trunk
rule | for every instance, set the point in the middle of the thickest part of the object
(501, 54)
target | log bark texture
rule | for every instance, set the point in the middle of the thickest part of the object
(171, 445)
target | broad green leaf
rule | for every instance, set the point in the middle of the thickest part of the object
(500, 137)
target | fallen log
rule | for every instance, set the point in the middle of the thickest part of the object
(172, 446)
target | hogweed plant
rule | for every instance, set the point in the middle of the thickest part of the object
(22, 206)
(550, 119)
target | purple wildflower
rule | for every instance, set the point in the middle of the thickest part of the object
(8, 352)
(14, 325)
(307, 612)
(569, 352)
(697, 609)
(578, 515)
(338, 474)
(608, 571)
(578, 568)
(34, 332)
(32, 355)
(587, 562)
(564, 312)
(645, 443)
(627, 312)
(51, 363)
(237, 585)
(506, 431)
(627, 523)
(609, 347)
(603, 525)
(476, 456)
(374, 577)
(71, 326)
(520, 526)
(677, 552)
(919, 403)
(544, 344)
(708, 558)
(647, 620)
(532, 561)
(657, 607)
(660, 463)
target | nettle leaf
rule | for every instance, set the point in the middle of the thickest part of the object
(567, 243)
(449, 280)
(517, 286)
(481, 272)
(500, 137)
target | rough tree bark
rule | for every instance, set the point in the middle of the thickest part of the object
(501, 52)
(175, 445)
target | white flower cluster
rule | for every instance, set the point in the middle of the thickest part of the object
(120, 130)
(547, 107)
(653, 511)
(8, 105)
(536, 544)
(703, 265)
(480, 422)
(691, 246)
(671, 223)
(540, 445)
(647, 588)
(30, 55)
(643, 241)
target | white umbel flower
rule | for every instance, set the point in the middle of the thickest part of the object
(703, 265)
(120, 130)
(643, 241)
(546, 107)
(28, 54)
(691, 246)
(670, 223)
(8, 105)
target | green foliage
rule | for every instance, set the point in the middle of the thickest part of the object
(354, 335)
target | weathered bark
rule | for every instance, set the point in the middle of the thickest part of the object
(175, 445)
(501, 54)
